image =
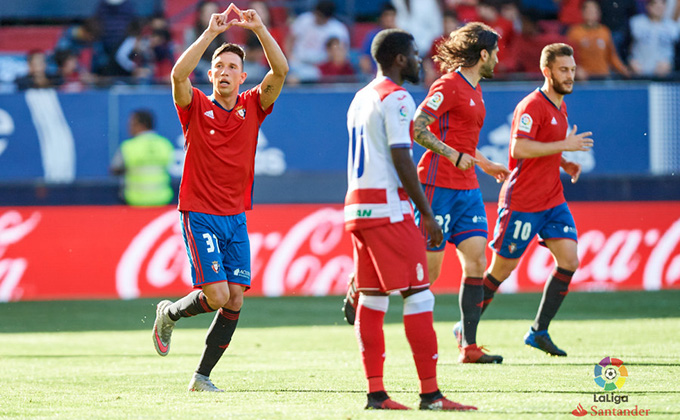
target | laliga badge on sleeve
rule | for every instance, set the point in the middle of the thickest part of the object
(525, 123)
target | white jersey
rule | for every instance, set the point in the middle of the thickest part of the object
(380, 118)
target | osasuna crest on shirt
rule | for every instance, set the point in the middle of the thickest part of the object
(380, 118)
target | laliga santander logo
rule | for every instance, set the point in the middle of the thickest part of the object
(304, 259)
(610, 374)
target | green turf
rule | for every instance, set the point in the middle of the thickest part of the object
(294, 358)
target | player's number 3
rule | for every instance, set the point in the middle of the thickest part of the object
(212, 246)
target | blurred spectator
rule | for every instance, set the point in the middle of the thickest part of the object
(204, 10)
(510, 11)
(82, 40)
(337, 68)
(616, 15)
(144, 160)
(570, 13)
(488, 12)
(594, 49)
(386, 20)
(37, 77)
(134, 54)
(540, 9)
(526, 50)
(433, 70)
(162, 49)
(253, 62)
(114, 18)
(422, 18)
(68, 77)
(278, 31)
(465, 10)
(652, 51)
(309, 33)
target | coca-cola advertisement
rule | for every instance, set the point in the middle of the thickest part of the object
(120, 252)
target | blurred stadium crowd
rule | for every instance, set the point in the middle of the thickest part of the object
(328, 41)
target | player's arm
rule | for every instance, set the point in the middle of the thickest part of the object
(523, 148)
(425, 138)
(496, 170)
(408, 176)
(272, 83)
(187, 62)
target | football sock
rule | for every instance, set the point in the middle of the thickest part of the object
(470, 301)
(422, 337)
(556, 288)
(369, 332)
(218, 339)
(490, 285)
(192, 304)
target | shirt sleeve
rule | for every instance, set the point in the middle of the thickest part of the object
(439, 99)
(526, 121)
(184, 114)
(399, 109)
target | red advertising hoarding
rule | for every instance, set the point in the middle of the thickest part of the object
(123, 252)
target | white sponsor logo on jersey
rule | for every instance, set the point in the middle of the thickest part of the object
(435, 100)
(472, 103)
(525, 123)
(209, 114)
(554, 121)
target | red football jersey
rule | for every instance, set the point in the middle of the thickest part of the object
(459, 111)
(220, 153)
(534, 184)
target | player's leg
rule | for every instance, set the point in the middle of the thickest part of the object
(372, 305)
(236, 262)
(560, 237)
(499, 270)
(196, 227)
(473, 261)
(351, 301)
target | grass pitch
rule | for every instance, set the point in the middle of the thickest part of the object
(295, 358)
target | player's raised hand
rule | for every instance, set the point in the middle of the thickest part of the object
(578, 142)
(463, 161)
(572, 169)
(435, 236)
(250, 20)
(219, 22)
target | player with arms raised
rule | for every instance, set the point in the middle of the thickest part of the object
(389, 250)
(221, 137)
(531, 201)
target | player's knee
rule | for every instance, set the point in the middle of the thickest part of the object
(235, 302)
(570, 264)
(375, 302)
(419, 302)
(433, 272)
(475, 266)
(217, 297)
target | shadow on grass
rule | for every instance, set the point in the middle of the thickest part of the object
(259, 312)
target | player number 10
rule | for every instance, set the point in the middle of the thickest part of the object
(522, 231)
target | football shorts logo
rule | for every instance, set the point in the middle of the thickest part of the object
(436, 100)
(525, 123)
(420, 273)
(216, 266)
(512, 247)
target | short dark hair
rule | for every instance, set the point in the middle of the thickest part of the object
(387, 7)
(389, 43)
(326, 8)
(464, 45)
(144, 117)
(232, 48)
(552, 51)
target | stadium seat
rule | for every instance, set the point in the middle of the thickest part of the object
(26, 38)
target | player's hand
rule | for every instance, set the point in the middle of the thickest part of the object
(435, 236)
(498, 171)
(250, 20)
(572, 169)
(578, 142)
(219, 22)
(466, 161)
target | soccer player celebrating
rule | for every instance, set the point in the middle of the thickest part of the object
(221, 136)
(448, 123)
(389, 251)
(531, 200)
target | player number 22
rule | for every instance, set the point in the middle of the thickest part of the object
(522, 232)
(443, 221)
(209, 242)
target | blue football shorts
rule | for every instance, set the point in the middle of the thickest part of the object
(515, 229)
(218, 248)
(460, 213)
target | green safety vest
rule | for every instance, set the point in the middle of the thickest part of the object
(146, 158)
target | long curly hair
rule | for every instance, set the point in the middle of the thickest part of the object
(463, 47)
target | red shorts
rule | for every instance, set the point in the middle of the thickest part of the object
(390, 257)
